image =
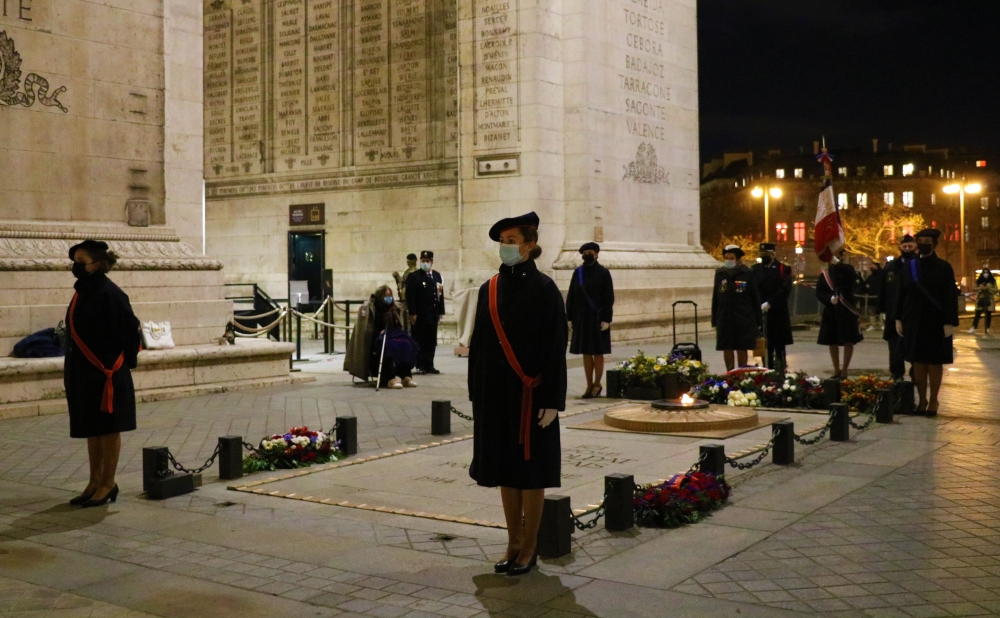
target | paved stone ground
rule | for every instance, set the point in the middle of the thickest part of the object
(901, 521)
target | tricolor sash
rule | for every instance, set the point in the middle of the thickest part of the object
(108, 400)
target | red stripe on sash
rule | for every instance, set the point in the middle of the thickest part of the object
(108, 400)
(528, 384)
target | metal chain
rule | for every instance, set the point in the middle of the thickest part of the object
(180, 468)
(697, 465)
(816, 440)
(249, 447)
(746, 466)
(598, 514)
(460, 415)
(871, 419)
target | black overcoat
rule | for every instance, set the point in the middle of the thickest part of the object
(533, 316)
(587, 306)
(736, 314)
(105, 323)
(839, 324)
(422, 297)
(927, 302)
(774, 284)
(888, 296)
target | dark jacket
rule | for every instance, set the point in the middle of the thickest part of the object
(736, 314)
(422, 296)
(533, 317)
(927, 302)
(588, 305)
(839, 324)
(888, 296)
(774, 284)
(104, 321)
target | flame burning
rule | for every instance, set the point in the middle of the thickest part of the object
(687, 399)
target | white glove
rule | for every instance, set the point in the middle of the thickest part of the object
(605, 326)
(834, 300)
(764, 307)
(899, 327)
(882, 315)
(949, 330)
(546, 416)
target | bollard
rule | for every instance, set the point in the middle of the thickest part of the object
(840, 429)
(158, 481)
(614, 379)
(783, 451)
(714, 459)
(230, 457)
(440, 418)
(883, 413)
(347, 434)
(671, 385)
(555, 534)
(904, 393)
(831, 391)
(619, 495)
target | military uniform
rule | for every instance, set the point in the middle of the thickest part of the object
(425, 301)
(888, 295)
(774, 284)
(404, 313)
(736, 314)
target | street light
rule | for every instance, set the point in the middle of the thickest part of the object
(759, 192)
(961, 189)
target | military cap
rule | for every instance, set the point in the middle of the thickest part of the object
(527, 220)
(590, 246)
(412, 256)
(734, 249)
(88, 246)
(931, 233)
(768, 246)
(907, 238)
(426, 255)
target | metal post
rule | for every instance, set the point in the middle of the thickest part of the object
(230, 457)
(831, 391)
(619, 494)
(904, 397)
(555, 534)
(327, 340)
(154, 465)
(783, 451)
(440, 418)
(840, 429)
(347, 434)
(614, 379)
(298, 337)
(883, 413)
(347, 324)
(714, 462)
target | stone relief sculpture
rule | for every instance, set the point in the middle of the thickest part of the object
(34, 84)
(645, 168)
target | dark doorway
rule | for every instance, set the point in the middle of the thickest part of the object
(306, 251)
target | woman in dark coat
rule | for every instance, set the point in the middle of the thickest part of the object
(102, 349)
(736, 314)
(590, 305)
(397, 370)
(517, 390)
(839, 325)
(774, 284)
(927, 314)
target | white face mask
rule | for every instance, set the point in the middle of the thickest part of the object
(730, 263)
(425, 266)
(510, 254)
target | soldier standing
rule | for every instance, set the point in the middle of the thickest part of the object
(892, 281)
(411, 267)
(736, 314)
(774, 283)
(425, 300)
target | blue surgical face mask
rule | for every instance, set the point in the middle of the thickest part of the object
(730, 263)
(425, 266)
(387, 300)
(510, 254)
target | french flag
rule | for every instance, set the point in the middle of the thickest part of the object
(829, 232)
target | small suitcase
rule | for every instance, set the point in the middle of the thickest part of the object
(686, 349)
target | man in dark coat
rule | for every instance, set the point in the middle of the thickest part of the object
(425, 302)
(736, 313)
(885, 304)
(926, 317)
(589, 305)
(840, 324)
(774, 284)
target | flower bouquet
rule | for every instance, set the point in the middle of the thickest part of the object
(297, 448)
(770, 389)
(647, 372)
(684, 499)
(861, 393)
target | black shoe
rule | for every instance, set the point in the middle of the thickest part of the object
(432, 371)
(516, 569)
(503, 566)
(111, 497)
(77, 501)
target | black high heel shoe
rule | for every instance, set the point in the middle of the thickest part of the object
(111, 497)
(504, 565)
(77, 501)
(520, 569)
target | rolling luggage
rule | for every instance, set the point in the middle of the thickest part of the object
(686, 349)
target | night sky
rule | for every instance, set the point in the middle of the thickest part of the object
(781, 73)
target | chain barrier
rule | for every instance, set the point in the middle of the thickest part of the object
(249, 447)
(261, 329)
(321, 322)
(822, 433)
(180, 468)
(258, 316)
(697, 465)
(460, 415)
(871, 419)
(598, 514)
(746, 466)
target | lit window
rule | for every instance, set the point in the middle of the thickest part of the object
(887, 170)
(933, 199)
(781, 232)
(985, 223)
(861, 170)
(981, 164)
(908, 199)
(889, 198)
(842, 200)
(907, 170)
(779, 173)
(942, 172)
(842, 171)
(863, 200)
(800, 231)
(984, 202)
(798, 172)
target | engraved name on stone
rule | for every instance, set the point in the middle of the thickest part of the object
(409, 58)
(16, 9)
(324, 98)
(646, 100)
(451, 81)
(218, 91)
(248, 104)
(289, 56)
(497, 103)
(371, 80)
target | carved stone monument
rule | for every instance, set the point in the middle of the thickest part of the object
(418, 123)
(101, 137)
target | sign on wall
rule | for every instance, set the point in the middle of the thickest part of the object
(306, 214)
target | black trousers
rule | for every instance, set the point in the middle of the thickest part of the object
(980, 312)
(897, 367)
(426, 334)
(776, 357)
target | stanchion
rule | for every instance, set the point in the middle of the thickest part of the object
(614, 379)
(298, 337)
(230, 457)
(440, 418)
(883, 411)
(347, 434)
(840, 428)
(555, 534)
(158, 481)
(903, 393)
(831, 391)
(619, 495)
(712, 459)
(326, 329)
(783, 452)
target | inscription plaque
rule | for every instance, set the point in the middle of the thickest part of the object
(497, 102)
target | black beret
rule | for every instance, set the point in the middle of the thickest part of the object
(734, 249)
(428, 255)
(412, 256)
(591, 246)
(931, 233)
(768, 246)
(527, 220)
(88, 245)
(907, 238)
